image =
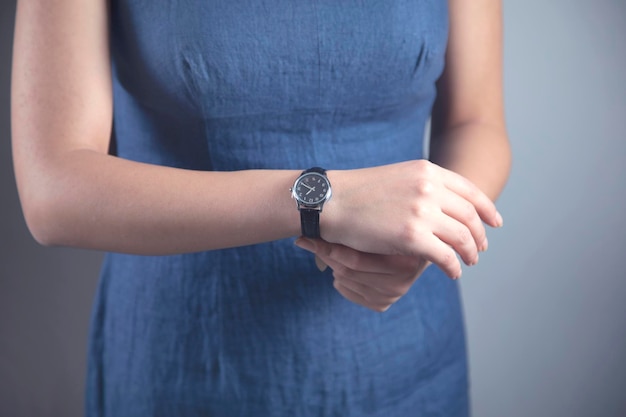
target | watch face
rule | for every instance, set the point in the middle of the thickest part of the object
(312, 189)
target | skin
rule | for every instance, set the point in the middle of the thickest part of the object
(74, 194)
(469, 138)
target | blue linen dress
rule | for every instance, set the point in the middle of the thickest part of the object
(258, 330)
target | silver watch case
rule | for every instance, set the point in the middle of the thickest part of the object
(316, 204)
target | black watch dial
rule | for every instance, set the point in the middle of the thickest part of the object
(312, 189)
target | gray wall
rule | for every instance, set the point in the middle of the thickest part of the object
(545, 307)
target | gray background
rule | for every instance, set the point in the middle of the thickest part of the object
(545, 307)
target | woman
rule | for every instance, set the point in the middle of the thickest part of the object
(170, 133)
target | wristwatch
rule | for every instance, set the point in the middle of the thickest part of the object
(311, 190)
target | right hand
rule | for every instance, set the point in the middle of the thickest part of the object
(371, 280)
(413, 208)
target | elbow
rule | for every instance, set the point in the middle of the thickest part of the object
(39, 222)
(54, 201)
(44, 220)
(42, 235)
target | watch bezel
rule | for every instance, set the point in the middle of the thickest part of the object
(318, 203)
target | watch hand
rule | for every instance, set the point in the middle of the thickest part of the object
(310, 189)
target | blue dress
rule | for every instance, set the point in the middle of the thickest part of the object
(258, 330)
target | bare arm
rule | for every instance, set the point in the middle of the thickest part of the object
(73, 193)
(469, 137)
(469, 132)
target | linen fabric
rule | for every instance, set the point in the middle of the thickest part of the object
(230, 85)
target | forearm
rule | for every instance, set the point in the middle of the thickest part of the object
(480, 152)
(92, 200)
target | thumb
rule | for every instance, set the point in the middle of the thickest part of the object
(311, 246)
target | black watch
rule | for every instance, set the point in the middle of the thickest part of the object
(311, 190)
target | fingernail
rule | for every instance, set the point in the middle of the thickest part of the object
(320, 264)
(499, 220)
(305, 244)
(484, 245)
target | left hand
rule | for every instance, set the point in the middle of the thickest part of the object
(371, 280)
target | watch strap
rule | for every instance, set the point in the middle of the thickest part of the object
(315, 169)
(310, 217)
(310, 222)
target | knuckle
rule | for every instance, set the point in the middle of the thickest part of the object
(342, 272)
(464, 237)
(419, 210)
(408, 234)
(449, 261)
(467, 213)
(481, 234)
(352, 260)
(468, 185)
(424, 167)
(348, 258)
(324, 249)
(474, 193)
(409, 238)
(424, 187)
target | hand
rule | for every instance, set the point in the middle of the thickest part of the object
(416, 209)
(371, 280)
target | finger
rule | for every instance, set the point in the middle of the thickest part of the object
(384, 288)
(442, 255)
(458, 236)
(485, 208)
(373, 296)
(362, 261)
(339, 256)
(390, 285)
(393, 275)
(357, 298)
(464, 212)
(321, 265)
(366, 283)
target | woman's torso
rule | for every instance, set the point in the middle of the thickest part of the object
(258, 330)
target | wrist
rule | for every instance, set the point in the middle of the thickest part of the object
(331, 223)
(311, 191)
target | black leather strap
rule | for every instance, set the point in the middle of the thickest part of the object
(310, 218)
(315, 169)
(310, 223)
